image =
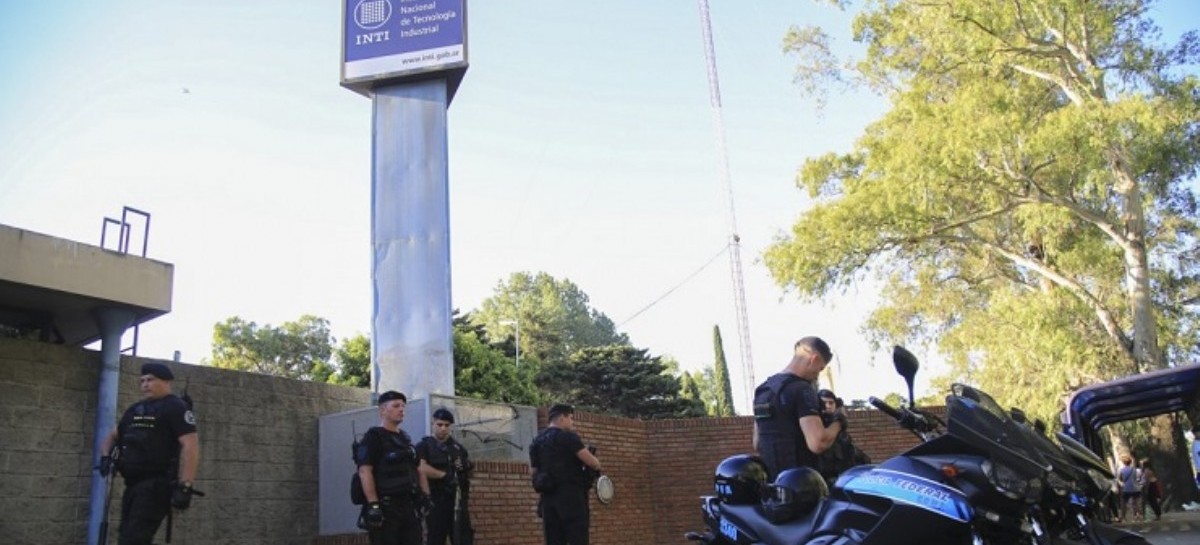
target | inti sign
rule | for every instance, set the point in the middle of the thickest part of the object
(387, 41)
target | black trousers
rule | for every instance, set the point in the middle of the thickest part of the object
(144, 505)
(439, 524)
(400, 523)
(565, 517)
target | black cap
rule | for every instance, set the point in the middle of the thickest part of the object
(444, 415)
(560, 409)
(820, 346)
(158, 370)
(391, 395)
(826, 394)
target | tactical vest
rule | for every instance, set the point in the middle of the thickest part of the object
(780, 441)
(148, 448)
(441, 457)
(396, 471)
(564, 467)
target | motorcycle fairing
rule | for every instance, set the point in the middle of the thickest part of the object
(921, 493)
(756, 528)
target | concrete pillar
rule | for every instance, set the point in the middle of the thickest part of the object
(113, 323)
(411, 335)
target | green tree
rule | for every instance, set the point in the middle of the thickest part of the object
(353, 358)
(688, 389)
(485, 371)
(554, 316)
(299, 349)
(1024, 202)
(724, 389)
(618, 379)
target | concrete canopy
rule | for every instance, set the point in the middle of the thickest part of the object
(57, 285)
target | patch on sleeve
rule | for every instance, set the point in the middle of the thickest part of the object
(189, 417)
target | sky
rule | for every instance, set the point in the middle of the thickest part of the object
(581, 143)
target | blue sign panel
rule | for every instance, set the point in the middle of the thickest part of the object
(385, 39)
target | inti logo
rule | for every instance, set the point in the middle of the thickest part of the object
(372, 14)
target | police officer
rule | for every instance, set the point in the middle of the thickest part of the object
(396, 492)
(558, 456)
(445, 464)
(788, 431)
(843, 454)
(157, 451)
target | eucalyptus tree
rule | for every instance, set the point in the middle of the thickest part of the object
(1025, 202)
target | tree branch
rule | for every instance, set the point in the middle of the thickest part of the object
(1102, 312)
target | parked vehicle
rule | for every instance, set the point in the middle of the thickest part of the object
(977, 478)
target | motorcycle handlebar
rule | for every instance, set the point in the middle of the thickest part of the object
(883, 406)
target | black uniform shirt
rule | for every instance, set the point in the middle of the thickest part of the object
(441, 456)
(558, 453)
(392, 458)
(149, 434)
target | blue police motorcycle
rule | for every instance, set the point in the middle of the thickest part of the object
(976, 479)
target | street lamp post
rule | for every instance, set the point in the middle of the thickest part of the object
(516, 323)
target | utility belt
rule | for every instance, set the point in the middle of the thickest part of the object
(398, 498)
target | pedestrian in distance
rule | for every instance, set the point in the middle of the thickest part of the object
(396, 493)
(1131, 493)
(1151, 488)
(156, 449)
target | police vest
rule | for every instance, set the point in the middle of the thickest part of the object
(396, 469)
(780, 440)
(565, 467)
(441, 457)
(148, 447)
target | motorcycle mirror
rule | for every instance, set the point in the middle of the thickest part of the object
(906, 365)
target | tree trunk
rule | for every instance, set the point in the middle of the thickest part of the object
(1172, 461)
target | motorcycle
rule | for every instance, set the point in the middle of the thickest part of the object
(975, 479)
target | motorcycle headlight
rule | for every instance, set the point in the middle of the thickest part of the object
(1102, 482)
(1059, 484)
(1009, 482)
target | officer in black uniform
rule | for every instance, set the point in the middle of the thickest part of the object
(843, 454)
(157, 451)
(445, 464)
(397, 494)
(788, 431)
(559, 463)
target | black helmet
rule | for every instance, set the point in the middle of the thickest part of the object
(795, 492)
(740, 479)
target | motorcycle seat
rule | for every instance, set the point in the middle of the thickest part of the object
(751, 518)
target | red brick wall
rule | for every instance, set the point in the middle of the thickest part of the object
(660, 469)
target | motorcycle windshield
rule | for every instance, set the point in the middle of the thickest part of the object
(977, 420)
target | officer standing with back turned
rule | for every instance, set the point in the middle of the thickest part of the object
(788, 431)
(397, 494)
(560, 462)
(157, 451)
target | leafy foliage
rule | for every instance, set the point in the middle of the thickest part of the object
(299, 349)
(620, 380)
(353, 358)
(1024, 202)
(554, 317)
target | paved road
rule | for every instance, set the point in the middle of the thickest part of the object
(1177, 528)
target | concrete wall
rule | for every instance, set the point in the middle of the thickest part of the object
(258, 438)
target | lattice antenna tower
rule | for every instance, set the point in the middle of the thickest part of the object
(735, 242)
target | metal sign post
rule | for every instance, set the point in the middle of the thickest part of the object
(408, 56)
